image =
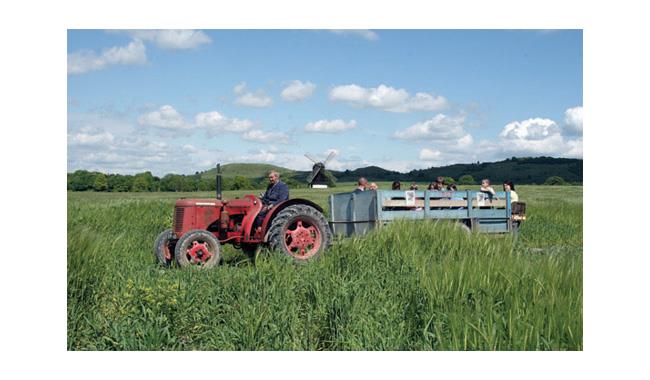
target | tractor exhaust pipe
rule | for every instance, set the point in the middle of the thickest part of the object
(218, 181)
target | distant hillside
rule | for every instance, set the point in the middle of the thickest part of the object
(252, 171)
(526, 170)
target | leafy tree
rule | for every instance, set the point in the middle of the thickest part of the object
(171, 182)
(208, 184)
(466, 180)
(241, 183)
(140, 184)
(81, 180)
(555, 180)
(449, 180)
(120, 183)
(143, 182)
(292, 183)
(330, 179)
(101, 182)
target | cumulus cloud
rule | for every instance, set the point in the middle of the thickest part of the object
(84, 138)
(531, 129)
(257, 99)
(387, 98)
(258, 135)
(363, 33)
(537, 136)
(166, 117)
(84, 61)
(212, 122)
(429, 154)
(173, 39)
(573, 121)
(330, 126)
(239, 88)
(297, 91)
(216, 122)
(439, 128)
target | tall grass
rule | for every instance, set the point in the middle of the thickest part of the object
(410, 286)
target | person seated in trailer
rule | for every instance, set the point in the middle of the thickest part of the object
(362, 185)
(414, 186)
(455, 196)
(440, 180)
(373, 186)
(487, 188)
(435, 186)
(276, 192)
(509, 187)
(397, 185)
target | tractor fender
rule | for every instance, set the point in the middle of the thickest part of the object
(281, 206)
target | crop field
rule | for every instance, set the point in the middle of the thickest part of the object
(411, 286)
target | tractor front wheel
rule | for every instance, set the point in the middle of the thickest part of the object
(164, 246)
(301, 232)
(197, 248)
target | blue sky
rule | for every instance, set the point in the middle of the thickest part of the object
(181, 101)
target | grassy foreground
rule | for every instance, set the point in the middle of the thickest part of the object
(413, 286)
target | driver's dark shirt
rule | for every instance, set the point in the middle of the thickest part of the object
(276, 193)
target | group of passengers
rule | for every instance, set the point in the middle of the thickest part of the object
(440, 185)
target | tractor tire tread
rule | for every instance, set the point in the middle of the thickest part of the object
(275, 231)
(181, 261)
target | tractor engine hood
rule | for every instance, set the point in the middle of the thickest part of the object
(199, 203)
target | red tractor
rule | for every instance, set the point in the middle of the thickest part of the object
(295, 227)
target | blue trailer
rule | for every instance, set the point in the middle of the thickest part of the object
(356, 213)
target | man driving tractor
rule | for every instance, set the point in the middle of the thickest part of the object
(276, 192)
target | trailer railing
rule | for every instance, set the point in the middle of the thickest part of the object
(359, 212)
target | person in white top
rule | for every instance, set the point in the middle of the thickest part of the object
(509, 187)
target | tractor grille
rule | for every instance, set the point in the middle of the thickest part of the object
(179, 213)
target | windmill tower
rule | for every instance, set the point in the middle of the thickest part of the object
(317, 179)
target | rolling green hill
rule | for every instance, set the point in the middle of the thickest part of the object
(524, 170)
(252, 171)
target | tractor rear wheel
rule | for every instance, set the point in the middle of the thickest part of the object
(164, 246)
(300, 232)
(198, 248)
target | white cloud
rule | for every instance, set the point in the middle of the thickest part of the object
(330, 126)
(166, 117)
(239, 88)
(216, 122)
(387, 98)
(573, 121)
(297, 91)
(439, 128)
(429, 154)
(257, 100)
(363, 33)
(535, 136)
(90, 139)
(258, 135)
(172, 38)
(531, 129)
(83, 61)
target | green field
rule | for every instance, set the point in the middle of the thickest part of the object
(412, 286)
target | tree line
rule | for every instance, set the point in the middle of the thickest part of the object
(83, 180)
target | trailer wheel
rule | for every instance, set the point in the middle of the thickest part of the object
(464, 227)
(300, 232)
(197, 248)
(164, 246)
